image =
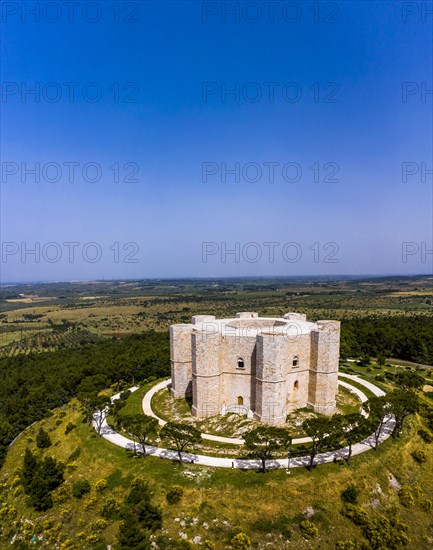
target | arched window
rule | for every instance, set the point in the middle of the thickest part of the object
(296, 385)
(295, 362)
(240, 400)
(241, 364)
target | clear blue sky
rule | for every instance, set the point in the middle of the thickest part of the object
(360, 61)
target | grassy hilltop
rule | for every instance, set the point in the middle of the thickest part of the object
(218, 503)
(58, 340)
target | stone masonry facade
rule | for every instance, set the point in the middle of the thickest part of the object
(260, 366)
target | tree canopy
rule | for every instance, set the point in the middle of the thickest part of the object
(264, 441)
(181, 435)
(402, 337)
(320, 429)
(140, 426)
(31, 385)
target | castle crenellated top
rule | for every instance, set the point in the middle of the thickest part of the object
(249, 324)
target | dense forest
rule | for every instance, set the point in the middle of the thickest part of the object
(31, 385)
(409, 338)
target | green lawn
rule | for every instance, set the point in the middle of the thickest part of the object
(234, 425)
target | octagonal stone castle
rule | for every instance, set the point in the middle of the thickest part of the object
(260, 366)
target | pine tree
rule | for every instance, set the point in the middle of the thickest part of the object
(52, 472)
(39, 478)
(39, 493)
(30, 465)
(43, 440)
(131, 536)
(140, 503)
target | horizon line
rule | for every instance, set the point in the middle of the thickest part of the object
(218, 277)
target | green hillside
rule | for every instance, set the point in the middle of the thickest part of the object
(217, 504)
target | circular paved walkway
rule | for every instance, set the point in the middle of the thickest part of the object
(147, 409)
(111, 435)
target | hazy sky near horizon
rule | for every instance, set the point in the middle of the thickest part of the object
(188, 138)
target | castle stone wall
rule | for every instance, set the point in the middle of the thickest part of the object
(181, 360)
(265, 366)
(325, 349)
(206, 373)
(271, 379)
(237, 382)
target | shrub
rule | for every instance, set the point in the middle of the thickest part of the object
(80, 488)
(68, 544)
(140, 490)
(426, 504)
(99, 525)
(357, 514)
(234, 531)
(381, 531)
(16, 481)
(47, 524)
(174, 495)
(209, 545)
(406, 496)
(420, 456)
(92, 539)
(4, 512)
(101, 485)
(90, 503)
(69, 427)
(43, 440)
(426, 435)
(12, 513)
(124, 395)
(65, 514)
(241, 541)
(111, 509)
(62, 493)
(308, 529)
(72, 466)
(364, 360)
(350, 494)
